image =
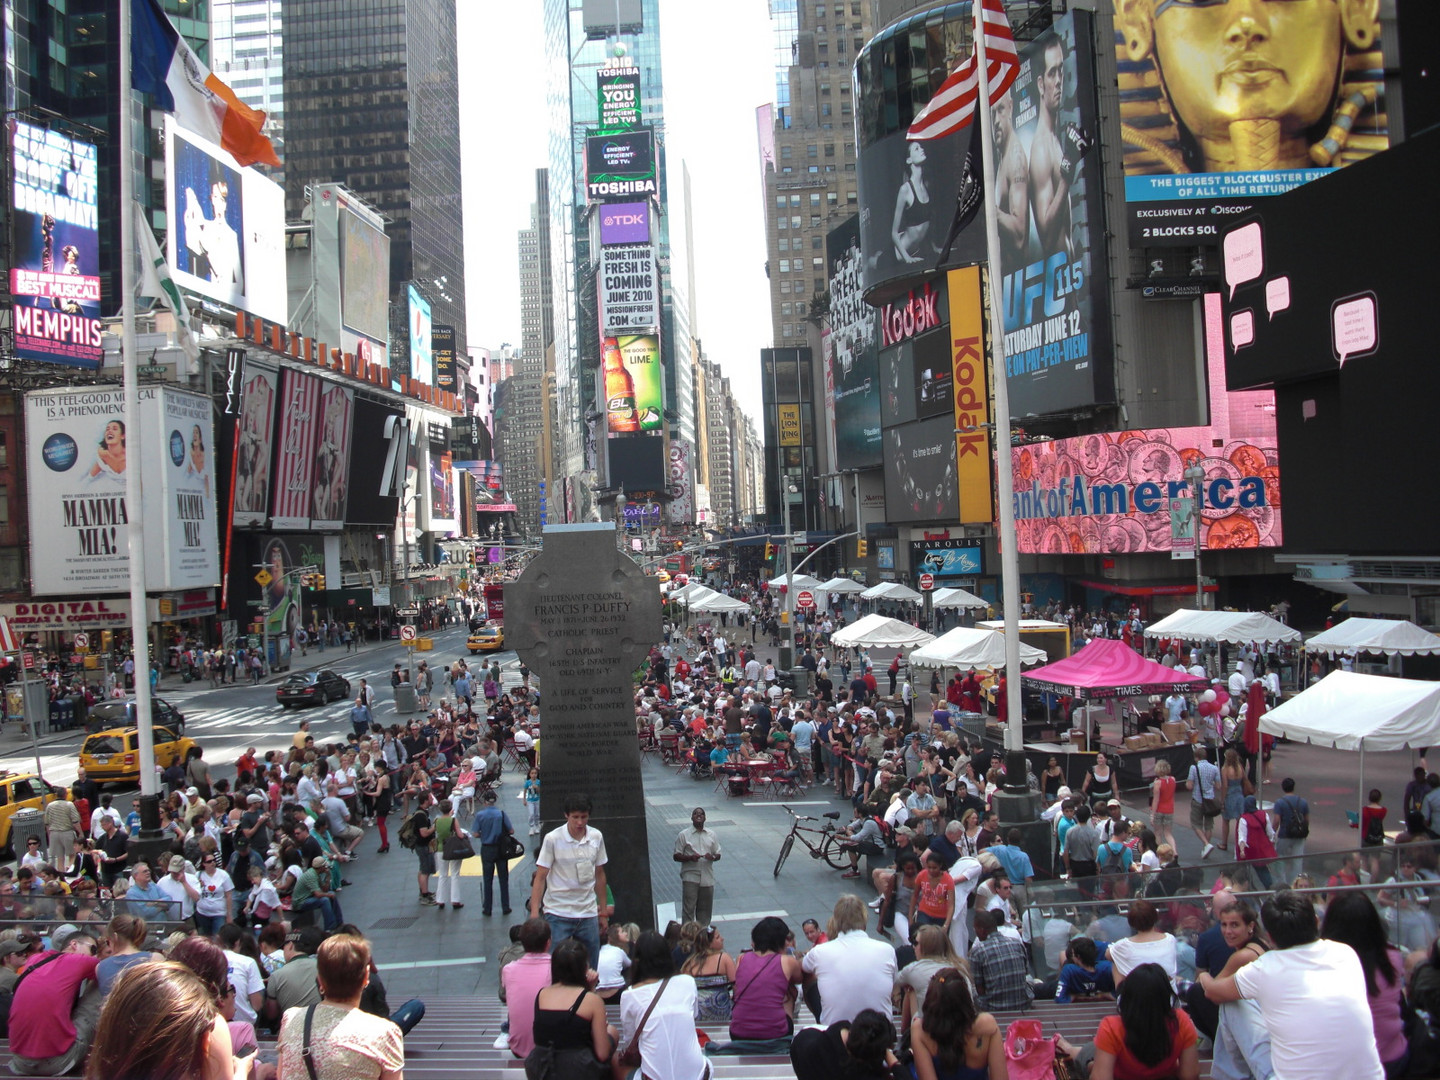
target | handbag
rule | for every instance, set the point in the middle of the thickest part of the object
(457, 847)
(630, 1056)
(1029, 1054)
(510, 848)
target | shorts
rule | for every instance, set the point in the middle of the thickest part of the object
(1198, 818)
(1161, 821)
(427, 860)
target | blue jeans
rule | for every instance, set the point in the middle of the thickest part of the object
(408, 1015)
(208, 925)
(586, 931)
(490, 862)
(327, 910)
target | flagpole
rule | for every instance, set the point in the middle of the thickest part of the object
(134, 483)
(1004, 474)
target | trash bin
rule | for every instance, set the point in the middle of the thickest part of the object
(406, 700)
(25, 824)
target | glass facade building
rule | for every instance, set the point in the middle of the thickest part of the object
(371, 91)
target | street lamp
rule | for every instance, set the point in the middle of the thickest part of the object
(1195, 476)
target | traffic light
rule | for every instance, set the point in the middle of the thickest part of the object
(319, 582)
(476, 557)
(679, 545)
(862, 547)
(769, 551)
(307, 581)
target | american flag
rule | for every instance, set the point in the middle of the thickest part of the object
(953, 106)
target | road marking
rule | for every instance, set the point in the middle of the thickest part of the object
(410, 965)
(790, 802)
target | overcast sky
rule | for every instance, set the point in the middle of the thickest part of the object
(717, 70)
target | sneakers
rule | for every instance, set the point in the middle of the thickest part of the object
(874, 905)
(1205, 851)
(851, 874)
(428, 900)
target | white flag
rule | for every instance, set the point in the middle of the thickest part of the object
(156, 283)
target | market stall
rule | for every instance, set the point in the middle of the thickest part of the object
(1237, 628)
(880, 632)
(957, 598)
(891, 590)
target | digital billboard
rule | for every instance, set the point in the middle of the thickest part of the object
(489, 483)
(681, 510)
(1209, 133)
(253, 460)
(373, 498)
(422, 365)
(332, 458)
(948, 558)
(625, 223)
(442, 486)
(442, 340)
(54, 272)
(618, 92)
(295, 446)
(620, 166)
(852, 353)
(364, 276)
(639, 466)
(78, 457)
(920, 477)
(1110, 493)
(1051, 215)
(634, 383)
(227, 234)
(970, 390)
(629, 284)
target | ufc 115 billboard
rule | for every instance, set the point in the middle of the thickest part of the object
(55, 268)
(79, 451)
(227, 227)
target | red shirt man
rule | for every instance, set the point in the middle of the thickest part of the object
(41, 1023)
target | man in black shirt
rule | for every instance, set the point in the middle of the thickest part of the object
(310, 848)
(113, 848)
(762, 717)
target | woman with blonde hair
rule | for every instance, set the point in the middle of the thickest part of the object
(933, 954)
(1162, 803)
(1232, 775)
(161, 1022)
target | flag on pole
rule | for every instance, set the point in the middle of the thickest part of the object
(156, 283)
(163, 66)
(953, 106)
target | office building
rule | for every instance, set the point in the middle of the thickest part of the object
(245, 51)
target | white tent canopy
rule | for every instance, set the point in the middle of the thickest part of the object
(841, 585)
(957, 598)
(1388, 636)
(683, 594)
(878, 631)
(1230, 627)
(711, 601)
(966, 647)
(802, 581)
(890, 590)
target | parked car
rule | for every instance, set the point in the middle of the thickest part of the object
(114, 756)
(120, 713)
(22, 791)
(487, 639)
(312, 688)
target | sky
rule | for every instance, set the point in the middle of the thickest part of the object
(716, 73)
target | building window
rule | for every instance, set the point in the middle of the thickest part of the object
(812, 151)
(823, 50)
(829, 147)
(814, 221)
(830, 199)
(817, 262)
(819, 284)
(824, 108)
(4, 449)
(815, 243)
(784, 244)
(780, 201)
(784, 151)
(814, 198)
(785, 309)
(785, 285)
(787, 329)
(795, 221)
(794, 200)
(781, 223)
(819, 11)
(813, 169)
(801, 308)
(825, 89)
(784, 266)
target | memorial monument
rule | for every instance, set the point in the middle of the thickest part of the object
(583, 617)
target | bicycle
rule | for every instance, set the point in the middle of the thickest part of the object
(829, 848)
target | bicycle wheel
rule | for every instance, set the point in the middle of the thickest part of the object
(784, 853)
(835, 855)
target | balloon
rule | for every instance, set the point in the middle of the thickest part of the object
(1206, 708)
(1222, 696)
(1208, 695)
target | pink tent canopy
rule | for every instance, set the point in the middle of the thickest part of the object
(1108, 668)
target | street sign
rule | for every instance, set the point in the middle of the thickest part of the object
(805, 599)
(407, 632)
(263, 578)
(28, 660)
(82, 640)
(927, 582)
(800, 539)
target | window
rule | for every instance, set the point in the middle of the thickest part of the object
(801, 308)
(814, 221)
(794, 200)
(784, 266)
(787, 329)
(4, 449)
(823, 49)
(825, 89)
(816, 243)
(819, 284)
(785, 285)
(819, 11)
(850, 149)
(784, 151)
(830, 199)
(817, 263)
(829, 147)
(824, 108)
(781, 223)
(814, 198)
(813, 168)
(784, 244)
(780, 201)
(785, 309)
(811, 151)
(795, 222)
(4, 504)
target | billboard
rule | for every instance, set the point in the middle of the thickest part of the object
(489, 477)
(618, 92)
(601, 18)
(620, 166)
(681, 510)
(852, 353)
(1208, 136)
(639, 466)
(54, 271)
(295, 443)
(442, 486)
(279, 602)
(634, 383)
(422, 364)
(1051, 214)
(625, 223)
(364, 276)
(1111, 493)
(442, 344)
(227, 235)
(920, 478)
(256, 437)
(948, 558)
(969, 370)
(787, 425)
(77, 461)
(372, 498)
(332, 458)
(629, 283)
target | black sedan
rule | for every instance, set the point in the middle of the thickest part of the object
(312, 688)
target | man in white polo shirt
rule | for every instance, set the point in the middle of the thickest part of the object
(569, 886)
(853, 971)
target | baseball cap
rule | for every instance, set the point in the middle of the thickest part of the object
(319, 862)
(19, 943)
(61, 934)
(1113, 802)
(306, 940)
(177, 862)
(255, 797)
(193, 792)
(488, 797)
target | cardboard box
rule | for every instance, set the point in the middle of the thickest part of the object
(1175, 731)
(1156, 739)
(1136, 742)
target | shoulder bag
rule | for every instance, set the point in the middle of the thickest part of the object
(457, 845)
(305, 1054)
(630, 1056)
(510, 848)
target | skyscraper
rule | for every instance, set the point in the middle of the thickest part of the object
(371, 96)
(581, 37)
(245, 51)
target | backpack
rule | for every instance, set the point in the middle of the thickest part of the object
(1112, 858)
(410, 834)
(887, 834)
(1298, 827)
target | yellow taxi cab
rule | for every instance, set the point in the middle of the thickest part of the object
(21, 791)
(489, 638)
(114, 756)
(663, 576)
